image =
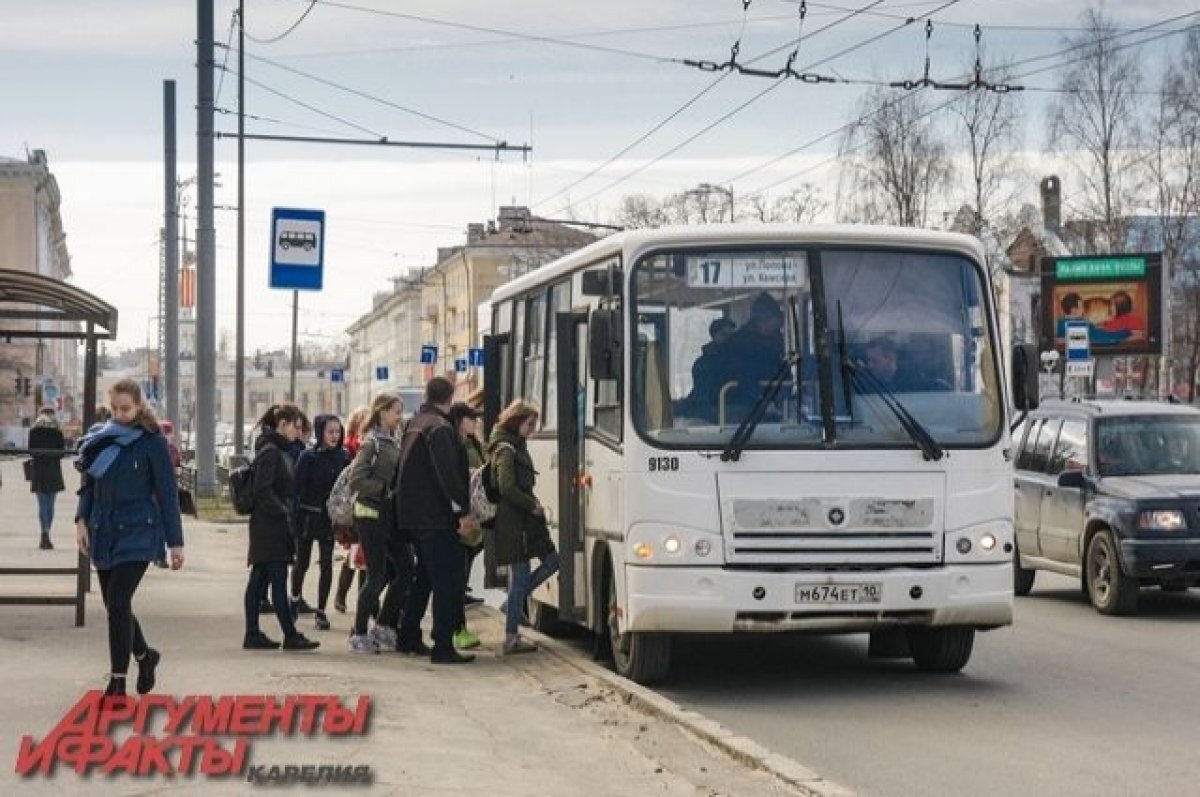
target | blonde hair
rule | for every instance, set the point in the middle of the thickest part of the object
(381, 403)
(516, 414)
(145, 416)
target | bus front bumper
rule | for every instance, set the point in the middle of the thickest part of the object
(717, 600)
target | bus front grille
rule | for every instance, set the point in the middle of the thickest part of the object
(834, 547)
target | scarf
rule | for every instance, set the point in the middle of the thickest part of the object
(99, 448)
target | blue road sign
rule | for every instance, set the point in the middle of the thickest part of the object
(381, 373)
(297, 249)
(428, 355)
(337, 376)
(460, 366)
(475, 357)
(1079, 346)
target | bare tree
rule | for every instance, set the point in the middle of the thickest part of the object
(991, 124)
(1095, 122)
(1174, 170)
(894, 163)
(801, 205)
(640, 210)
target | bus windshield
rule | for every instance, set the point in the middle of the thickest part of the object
(715, 330)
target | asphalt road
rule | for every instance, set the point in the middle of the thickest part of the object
(1065, 702)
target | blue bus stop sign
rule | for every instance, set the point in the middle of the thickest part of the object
(337, 376)
(460, 366)
(429, 355)
(475, 357)
(297, 249)
(381, 373)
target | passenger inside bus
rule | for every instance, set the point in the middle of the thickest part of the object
(706, 373)
(745, 362)
(922, 370)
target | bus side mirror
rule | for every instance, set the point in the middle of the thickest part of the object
(604, 344)
(1025, 388)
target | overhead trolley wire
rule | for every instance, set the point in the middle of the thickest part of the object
(312, 4)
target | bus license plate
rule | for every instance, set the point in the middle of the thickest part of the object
(870, 592)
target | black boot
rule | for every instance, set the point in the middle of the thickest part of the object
(45, 544)
(259, 641)
(298, 641)
(146, 665)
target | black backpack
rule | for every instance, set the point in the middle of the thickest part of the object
(241, 489)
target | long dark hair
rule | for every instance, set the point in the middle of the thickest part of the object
(277, 414)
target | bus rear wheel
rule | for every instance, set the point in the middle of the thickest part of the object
(941, 649)
(642, 657)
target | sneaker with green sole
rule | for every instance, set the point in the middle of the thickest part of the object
(466, 639)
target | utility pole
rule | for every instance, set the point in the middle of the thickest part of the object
(170, 258)
(239, 354)
(206, 268)
(295, 334)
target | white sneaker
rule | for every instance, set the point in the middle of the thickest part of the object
(362, 643)
(385, 638)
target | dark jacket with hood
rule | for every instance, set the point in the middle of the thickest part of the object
(132, 511)
(433, 484)
(271, 521)
(316, 471)
(519, 535)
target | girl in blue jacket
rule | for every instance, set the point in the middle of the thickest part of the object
(128, 511)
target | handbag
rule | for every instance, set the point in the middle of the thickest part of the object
(187, 503)
(27, 466)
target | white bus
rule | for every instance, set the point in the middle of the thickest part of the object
(768, 429)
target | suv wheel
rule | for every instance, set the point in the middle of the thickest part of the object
(1110, 590)
(1022, 577)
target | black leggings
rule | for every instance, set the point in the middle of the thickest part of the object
(388, 561)
(117, 586)
(304, 544)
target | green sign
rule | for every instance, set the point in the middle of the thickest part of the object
(1096, 268)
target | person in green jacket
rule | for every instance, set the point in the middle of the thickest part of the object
(520, 529)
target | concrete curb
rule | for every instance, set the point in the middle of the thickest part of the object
(743, 750)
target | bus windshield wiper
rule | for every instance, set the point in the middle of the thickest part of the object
(859, 376)
(733, 449)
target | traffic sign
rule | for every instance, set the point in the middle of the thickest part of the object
(460, 366)
(297, 249)
(475, 358)
(429, 355)
(337, 376)
(381, 373)
(50, 392)
(1079, 346)
(1084, 368)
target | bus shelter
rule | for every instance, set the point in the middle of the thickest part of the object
(26, 301)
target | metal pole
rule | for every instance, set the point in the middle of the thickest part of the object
(239, 366)
(295, 328)
(171, 258)
(206, 268)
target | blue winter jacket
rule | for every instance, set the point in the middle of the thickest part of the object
(132, 512)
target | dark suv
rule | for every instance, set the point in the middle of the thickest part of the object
(1109, 492)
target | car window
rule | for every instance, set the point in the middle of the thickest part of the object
(1044, 445)
(1025, 458)
(1070, 453)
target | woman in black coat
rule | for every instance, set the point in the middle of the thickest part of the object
(316, 472)
(46, 440)
(271, 544)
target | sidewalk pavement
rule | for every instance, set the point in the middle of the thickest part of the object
(526, 725)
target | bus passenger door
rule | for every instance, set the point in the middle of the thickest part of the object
(570, 334)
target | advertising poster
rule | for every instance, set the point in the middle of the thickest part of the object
(1118, 296)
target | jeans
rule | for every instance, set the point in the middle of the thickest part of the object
(522, 583)
(440, 573)
(46, 510)
(274, 574)
(304, 544)
(117, 586)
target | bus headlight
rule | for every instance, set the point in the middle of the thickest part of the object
(643, 550)
(672, 545)
(981, 543)
(703, 547)
(668, 544)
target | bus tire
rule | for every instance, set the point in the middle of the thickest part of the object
(642, 657)
(941, 649)
(543, 617)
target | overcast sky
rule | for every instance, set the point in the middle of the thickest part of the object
(83, 81)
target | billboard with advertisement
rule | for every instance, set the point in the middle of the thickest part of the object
(1118, 296)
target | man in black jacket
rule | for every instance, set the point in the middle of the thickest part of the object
(433, 507)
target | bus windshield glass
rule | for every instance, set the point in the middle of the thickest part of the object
(715, 330)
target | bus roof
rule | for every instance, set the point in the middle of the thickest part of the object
(633, 242)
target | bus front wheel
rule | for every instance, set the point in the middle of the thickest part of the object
(641, 656)
(941, 649)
